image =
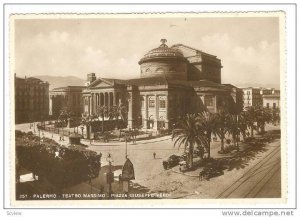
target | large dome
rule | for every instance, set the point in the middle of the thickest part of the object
(162, 52)
(164, 61)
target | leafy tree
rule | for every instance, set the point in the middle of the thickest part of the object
(275, 116)
(263, 116)
(250, 118)
(64, 115)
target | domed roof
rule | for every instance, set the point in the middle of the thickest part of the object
(163, 51)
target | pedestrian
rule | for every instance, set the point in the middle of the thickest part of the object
(154, 155)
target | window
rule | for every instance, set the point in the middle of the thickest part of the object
(209, 100)
(268, 105)
(162, 103)
(151, 102)
(274, 105)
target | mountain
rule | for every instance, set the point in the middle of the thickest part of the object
(246, 84)
(61, 81)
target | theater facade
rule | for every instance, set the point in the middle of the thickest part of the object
(173, 81)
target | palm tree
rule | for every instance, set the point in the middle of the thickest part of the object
(189, 132)
(222, 126)
(120, 112)
(236, 126)
(209, 124)
(87, 121)
(102, 112)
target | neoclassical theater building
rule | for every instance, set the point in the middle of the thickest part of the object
(173, 81)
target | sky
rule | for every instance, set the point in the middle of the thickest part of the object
(247, 46)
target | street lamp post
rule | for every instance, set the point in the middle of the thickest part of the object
(39, 136)
(126, 144)
(109, 175)
(82, 128)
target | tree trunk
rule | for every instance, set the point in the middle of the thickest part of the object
(222, 144)
(209, 140)
(190, 156)
(190, 161)
(252, 131)
(102, 124)
(208, 154)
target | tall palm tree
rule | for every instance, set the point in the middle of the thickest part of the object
(189, 132)
(222, 126)
(86, 120)
(209, 124)
(236, 126)
(102, 112)
(120, 112)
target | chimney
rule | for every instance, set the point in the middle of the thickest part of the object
(91, 77)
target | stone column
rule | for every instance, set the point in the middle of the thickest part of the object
(215, 104)
(108, 101)
(167, 112)
(95, 103)
(101, 99)
(50, 105)
(96, 99)
(146, 111)
(156, 118)
(130, 117)
(104, 98)
(114, 99)
(90, 105)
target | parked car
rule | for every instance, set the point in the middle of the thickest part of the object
(172, 161)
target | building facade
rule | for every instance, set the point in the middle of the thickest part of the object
(31, 99)
(252, 97)
(69, 98)
(173, 81)
(271, 101)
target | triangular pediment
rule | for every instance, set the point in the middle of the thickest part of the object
(100, 82)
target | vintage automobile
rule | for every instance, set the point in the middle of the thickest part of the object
(172, 161)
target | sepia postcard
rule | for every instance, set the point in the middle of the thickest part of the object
(147, 110)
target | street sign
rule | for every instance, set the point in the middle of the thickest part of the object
(128, 171)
